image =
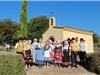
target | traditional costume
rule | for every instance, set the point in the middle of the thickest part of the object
(39, 55)
(65, 58)
(82, 51)
(19, 47)
(74, 49)
(47, 50)
(58, 53)
(34, 45)
(27, 53)
(52, 46)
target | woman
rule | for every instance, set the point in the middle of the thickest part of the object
(65, 58)
(52, 46)
(34, 44)
(58, 54)
(27, 53)
(19, 46)
(39, 55)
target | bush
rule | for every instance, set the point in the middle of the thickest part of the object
(11, 64)
(93, 62)
(1, 48)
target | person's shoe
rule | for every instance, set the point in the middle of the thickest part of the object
(59, 66)
(75, 66)
(29, 67)
(68, 67)
(72, 65)
(63, 66)
(44, 66)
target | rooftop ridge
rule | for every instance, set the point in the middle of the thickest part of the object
(74, 29)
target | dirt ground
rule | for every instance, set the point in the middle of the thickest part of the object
(52, 70)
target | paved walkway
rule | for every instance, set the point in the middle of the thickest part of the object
(52, 70)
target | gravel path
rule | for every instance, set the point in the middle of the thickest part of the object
(52, 70)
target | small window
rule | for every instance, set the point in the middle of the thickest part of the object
(51, 21)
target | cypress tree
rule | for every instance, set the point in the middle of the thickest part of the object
(23, 20)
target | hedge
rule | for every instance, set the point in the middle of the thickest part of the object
(11, 64)
(93, 62)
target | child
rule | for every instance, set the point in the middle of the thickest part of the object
(47, 51)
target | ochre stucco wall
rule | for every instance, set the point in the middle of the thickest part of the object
(87, 37)
(57, 33)
(62, 34)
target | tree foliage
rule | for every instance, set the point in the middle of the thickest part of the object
(96, 38)
(10, 30)
(7, 30)
(37, 26)
(23, 20)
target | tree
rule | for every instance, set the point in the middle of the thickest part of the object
(7, 30)
(37, 26)
(23, 20)
(96, 38)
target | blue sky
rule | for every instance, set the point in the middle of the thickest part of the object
(77, 14)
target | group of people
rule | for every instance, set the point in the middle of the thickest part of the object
(53, 52)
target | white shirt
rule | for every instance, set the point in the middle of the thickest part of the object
(52, 46)
(58, 45)
(16, 45)
(66, 47)
(83, 46)
(47, 53)
(34, 44)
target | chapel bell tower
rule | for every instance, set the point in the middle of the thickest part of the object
(52, 21)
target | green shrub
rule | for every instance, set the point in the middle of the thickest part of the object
(93, 63)
(1, 48)
(11, 64)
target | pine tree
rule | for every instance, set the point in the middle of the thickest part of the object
(23, 20)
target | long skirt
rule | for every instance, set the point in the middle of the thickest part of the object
(27, 56)
(39, 62)
(65, 57)
(33, 54)
(52, 56)
(58, 55)
(47, 55)
(39, 54)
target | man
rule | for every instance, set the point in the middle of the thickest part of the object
(74, 49)
(82, 50)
